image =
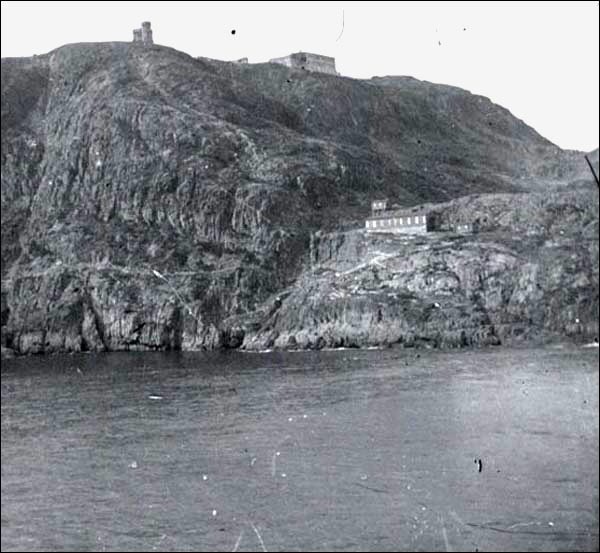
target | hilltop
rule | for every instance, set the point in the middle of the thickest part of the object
(151, 200)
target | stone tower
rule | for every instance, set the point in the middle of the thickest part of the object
(146, 33)
(143, 35)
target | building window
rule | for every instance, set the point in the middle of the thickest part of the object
(408, 220)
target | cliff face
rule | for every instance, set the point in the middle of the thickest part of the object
(155, 201)
(530, 273)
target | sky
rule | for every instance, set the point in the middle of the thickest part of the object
(539, 60)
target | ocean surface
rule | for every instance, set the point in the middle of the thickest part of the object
(321, 451)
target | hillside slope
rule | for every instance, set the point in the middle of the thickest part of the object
(151, 200)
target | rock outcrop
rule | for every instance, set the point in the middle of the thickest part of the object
(151, 200)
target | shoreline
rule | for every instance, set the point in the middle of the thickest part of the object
(8, 353)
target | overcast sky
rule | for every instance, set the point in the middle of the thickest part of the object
(540, 60)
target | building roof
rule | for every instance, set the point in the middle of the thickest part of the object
(398, 213)
(319, 56)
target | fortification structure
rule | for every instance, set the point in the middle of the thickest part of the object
(144, 34)
(308, 62)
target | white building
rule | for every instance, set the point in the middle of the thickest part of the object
(400, 221)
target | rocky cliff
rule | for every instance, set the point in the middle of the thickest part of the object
(530, 273)
(155, 201)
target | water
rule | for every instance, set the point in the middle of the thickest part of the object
(349, 450)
